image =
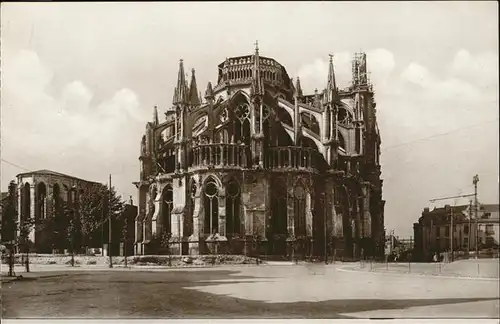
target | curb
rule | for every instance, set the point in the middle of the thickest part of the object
(437, 276)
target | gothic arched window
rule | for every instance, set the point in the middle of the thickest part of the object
(279, 207)
(299, 207)
(41, 195)
(233, 198)
(167, 201)
(211, 206)
(26, 202)
(242, 123)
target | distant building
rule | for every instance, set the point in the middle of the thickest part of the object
(36, 193)
(432, 232)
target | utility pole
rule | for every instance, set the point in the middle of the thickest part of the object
(109, 223)
(451, 221)
(451, 233)
(475, 180)
(325, 226)
(470, 229)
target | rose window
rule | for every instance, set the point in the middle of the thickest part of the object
(242, 112)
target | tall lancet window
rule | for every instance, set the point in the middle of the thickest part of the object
(211, 206)
(233, 198)
(166, 210)
(279, 207)
(299, 207)
(41, 198)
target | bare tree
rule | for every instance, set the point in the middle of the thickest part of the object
(24, 241)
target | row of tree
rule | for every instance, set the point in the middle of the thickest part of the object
(71, 224)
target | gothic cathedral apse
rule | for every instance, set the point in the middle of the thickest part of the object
(259, 165)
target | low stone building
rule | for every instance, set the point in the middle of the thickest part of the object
(36, 195)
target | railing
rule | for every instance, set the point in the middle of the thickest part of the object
(221, 154)
(291, 157)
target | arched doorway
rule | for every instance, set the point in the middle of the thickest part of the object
(211, 206)
(279, 216)
(166, 210)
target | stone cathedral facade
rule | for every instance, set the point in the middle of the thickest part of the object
(259, 164)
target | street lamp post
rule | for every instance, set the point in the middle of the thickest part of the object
(109, 225)
(475, 180)
(73, 221)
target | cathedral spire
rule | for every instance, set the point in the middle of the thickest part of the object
(257, 84)
(209, 93)
(155, 116)
(181, 91)
(298, 88)
(193, 90)
(331, 88)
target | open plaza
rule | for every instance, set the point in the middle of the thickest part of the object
(464, 289)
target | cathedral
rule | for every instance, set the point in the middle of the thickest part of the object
(258, 166)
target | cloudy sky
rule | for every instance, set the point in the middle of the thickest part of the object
(79, 82)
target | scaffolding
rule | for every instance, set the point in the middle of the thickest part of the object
(360, 75)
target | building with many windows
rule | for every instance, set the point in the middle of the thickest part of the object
(433, 232)
(259, 164)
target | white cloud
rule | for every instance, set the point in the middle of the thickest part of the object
(380, 64)
(417, 74)
(481, 69)
(65, 128)
(76, 97)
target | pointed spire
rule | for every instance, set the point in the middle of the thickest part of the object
(317, 100)
(181, 91)
(209, 93)
(193, 90)
(331, 88)
(298, 88)
(257, 84)
(155, 116)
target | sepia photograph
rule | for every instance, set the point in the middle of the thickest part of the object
(249, 161)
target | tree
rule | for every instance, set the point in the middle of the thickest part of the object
(93, 210)
(10, 223)
(72, 230)
(55, 224)
(24, 241)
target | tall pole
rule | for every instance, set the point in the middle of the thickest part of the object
(475, 180)
(325, 226)
(109, 223)
(451, 233)
(470, 229)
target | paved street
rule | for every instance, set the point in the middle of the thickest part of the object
(272, 291)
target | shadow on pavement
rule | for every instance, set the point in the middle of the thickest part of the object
(162, 295)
